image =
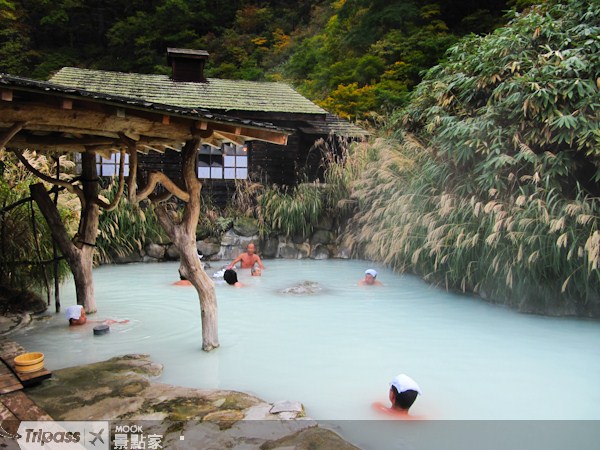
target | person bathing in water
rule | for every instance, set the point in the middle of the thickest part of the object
(183, 281)
(76, 316)
(248, 259)
(370, 279)
(403, 393)
(230, 276)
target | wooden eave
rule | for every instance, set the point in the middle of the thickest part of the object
(56, 118)
(288, 119)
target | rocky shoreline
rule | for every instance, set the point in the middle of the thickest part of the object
(124, 390)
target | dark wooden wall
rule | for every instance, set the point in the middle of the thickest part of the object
(274, 164)
(268, 164)
(168, 162)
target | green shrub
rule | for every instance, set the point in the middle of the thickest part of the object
(26, 248)
(292, 211)
(125, 229)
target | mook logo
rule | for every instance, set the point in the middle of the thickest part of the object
(65, 435)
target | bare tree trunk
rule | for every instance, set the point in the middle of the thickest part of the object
(183, 235)
(193, 271)
(81, 267)
(79, 251)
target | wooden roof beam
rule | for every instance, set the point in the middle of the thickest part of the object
(78, 121)
(237, 140)
(170, 147)
(50, 148)
(55, 140)
(149, 148)
(212, 141)
(275, 137)
(76, 132)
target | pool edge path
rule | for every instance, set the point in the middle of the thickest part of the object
(124, 389)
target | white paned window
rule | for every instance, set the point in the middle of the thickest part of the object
(106, 167)
(110, 167)
(229, 162)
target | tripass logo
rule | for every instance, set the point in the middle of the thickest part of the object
(63, 435)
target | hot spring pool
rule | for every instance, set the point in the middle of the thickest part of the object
(336, 351)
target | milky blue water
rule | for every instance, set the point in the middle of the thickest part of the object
(336, 351)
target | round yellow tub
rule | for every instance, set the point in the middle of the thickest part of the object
(29, 362)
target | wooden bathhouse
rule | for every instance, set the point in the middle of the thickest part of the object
(228, 157)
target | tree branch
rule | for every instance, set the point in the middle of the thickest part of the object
(158, 177)
(50, 213)
(68, 186)
(10, 133)
(192, 184)
(133, 167)
(159, 198)
(112, 205)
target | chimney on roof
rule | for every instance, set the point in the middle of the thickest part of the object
(187, 64)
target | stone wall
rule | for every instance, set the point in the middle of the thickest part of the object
(321, 244)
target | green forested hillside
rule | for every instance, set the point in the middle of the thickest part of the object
(351, 56)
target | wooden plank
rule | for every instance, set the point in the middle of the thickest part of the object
(7, 379)
(23, 407)
(9, 357)
(29, 378)
(7, 95)
(32, 378)
(238, 140)
(275, 137)
(39, 117)
(11, 388)
(4, 369)
(10, 426)
(5, 413)
(67, 103)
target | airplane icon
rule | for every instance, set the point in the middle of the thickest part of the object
(97, 436)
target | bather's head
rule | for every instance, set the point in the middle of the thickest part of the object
(230, 276)
(256, 272)
(370, 276)
(403, 392)
(76, 315)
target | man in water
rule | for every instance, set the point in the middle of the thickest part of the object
(248, 259)
(370, 279)
(403, 393)
(256, 272)
(76, 315)
(183, 281)
(230, 276)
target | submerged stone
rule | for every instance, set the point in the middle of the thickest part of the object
(303, 288)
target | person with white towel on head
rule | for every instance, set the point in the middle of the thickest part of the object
(402, 394)
(370, 279)
(76, 315)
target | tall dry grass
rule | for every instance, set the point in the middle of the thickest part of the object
(532, 247)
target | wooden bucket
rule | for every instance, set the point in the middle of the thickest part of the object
(29, 362)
